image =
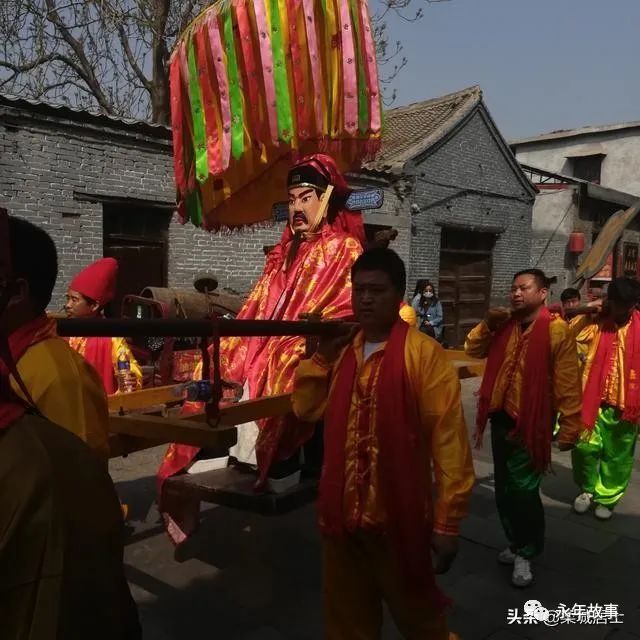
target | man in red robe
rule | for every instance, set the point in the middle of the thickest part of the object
(308, 272)
(88, 294)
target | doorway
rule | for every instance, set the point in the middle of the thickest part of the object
(137, 237)
(465, 281)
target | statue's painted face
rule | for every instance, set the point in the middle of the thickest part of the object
(304, 208)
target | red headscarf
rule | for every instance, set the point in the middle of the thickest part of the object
(97, 281)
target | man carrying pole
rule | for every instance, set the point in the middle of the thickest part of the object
(530, 377)
(603, 457)
(392, 412)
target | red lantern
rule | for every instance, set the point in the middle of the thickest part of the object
(576, 242)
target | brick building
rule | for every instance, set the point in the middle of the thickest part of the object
(584, 176)
(453, 180)
(104, 186)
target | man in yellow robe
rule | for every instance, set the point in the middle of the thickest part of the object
(391, 406)
(64, 387)
(530, 377)
(604, 457)
(61, 550)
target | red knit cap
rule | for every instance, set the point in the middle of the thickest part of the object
(97, 281)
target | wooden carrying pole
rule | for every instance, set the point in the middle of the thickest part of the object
(197, 328)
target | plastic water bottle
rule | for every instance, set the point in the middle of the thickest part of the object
(125, 384)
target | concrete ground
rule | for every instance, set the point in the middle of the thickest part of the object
(249, 577)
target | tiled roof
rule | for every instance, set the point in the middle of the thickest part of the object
(407, 130)
(412, 129)
(572, 133)
(84, 115)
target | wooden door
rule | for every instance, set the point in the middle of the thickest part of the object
(137, 237)
(465, 282)
(140, 266)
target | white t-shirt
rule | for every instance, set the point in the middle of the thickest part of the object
(370, 348)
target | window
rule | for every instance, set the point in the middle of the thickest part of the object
(588, 167)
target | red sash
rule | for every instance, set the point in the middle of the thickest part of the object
(603, 361)
(13, 348)
(533, 422)
(403, 485)
(99, 354)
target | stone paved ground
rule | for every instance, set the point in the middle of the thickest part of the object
(248, 577)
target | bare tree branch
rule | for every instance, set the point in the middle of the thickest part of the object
(126, 47)
(113, 55)
(83, 69)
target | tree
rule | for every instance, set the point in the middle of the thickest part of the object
(390, 57)
(113, 54)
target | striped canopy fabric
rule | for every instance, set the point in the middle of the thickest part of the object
(256, 84)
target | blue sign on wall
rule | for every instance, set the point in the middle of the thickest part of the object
(364, 199)
(360, 200)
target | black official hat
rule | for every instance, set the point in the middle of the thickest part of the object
(306, 176)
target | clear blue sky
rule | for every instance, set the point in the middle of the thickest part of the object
(542, 64)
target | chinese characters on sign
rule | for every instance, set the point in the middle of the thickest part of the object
(534, 613)
(630, 260)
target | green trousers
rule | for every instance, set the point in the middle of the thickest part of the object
(603, 461)
(517, 488)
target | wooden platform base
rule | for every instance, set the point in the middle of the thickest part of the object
(232, 487)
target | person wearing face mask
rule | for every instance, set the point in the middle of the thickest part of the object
(430, 316)
(307, 273)
(417, 294)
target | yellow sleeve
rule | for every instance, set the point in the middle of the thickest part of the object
(584, 329)
(478, 341)
(565, 384)
(311, 388)
(442, 416)
(118, 344)
(408, 314)
(67, 391)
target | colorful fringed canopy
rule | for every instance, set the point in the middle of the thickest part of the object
(257, 83)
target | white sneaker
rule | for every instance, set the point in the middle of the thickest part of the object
(522, 576)
(506, 556)
(582, 503)
(602, 513)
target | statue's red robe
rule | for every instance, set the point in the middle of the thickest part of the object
(317, 281)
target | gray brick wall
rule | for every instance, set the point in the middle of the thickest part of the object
(470, 159)
(45, 162)
(44, 165)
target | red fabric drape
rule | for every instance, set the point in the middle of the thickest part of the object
(98, 353)
(404, 488)
(11, 405)
(603, 361)
(533, 422)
